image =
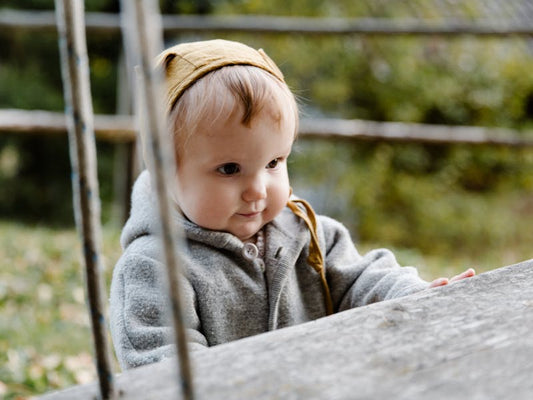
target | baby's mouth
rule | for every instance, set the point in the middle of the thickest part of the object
(250, 215)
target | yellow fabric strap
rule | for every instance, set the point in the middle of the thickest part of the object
(315, 258)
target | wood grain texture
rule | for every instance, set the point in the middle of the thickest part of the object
(469, 340)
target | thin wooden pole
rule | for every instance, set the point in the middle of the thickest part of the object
(148, 41)
(75, 71)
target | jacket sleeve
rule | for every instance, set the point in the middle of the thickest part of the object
(140, 322)
(357, 280)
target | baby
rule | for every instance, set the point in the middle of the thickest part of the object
(257, 259)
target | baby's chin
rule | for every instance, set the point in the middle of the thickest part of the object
(244, 232)
(247, 234)
(244, 237)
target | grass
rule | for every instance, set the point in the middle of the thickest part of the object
(45, 340)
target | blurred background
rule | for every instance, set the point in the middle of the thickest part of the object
(442, 206)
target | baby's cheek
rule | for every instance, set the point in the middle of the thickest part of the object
(279, 201)
(213, 212)
(194, 208)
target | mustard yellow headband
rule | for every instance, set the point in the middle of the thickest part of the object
(185, 63)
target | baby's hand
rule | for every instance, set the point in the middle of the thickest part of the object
(470, 272)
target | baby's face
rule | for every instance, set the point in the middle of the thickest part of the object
(234, 178)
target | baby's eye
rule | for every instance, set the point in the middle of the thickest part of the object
(229, 169)
(273, 164)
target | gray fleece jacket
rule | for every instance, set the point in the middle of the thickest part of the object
(228, 296)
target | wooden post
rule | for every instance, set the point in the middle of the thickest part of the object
(75, 71)
(148, 42)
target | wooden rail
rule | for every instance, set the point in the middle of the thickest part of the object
(121, 128)
(111, 128)
(107, 23)
(469, 340)
(357, 129)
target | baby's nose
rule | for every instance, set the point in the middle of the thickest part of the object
(255, 189)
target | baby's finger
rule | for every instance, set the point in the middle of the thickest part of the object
(439, 282)
(470, 272)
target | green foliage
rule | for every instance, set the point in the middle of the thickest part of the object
(442, 200)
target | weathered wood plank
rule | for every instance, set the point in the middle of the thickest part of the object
(469, 340)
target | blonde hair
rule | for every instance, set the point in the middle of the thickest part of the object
(224, 92)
